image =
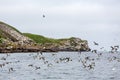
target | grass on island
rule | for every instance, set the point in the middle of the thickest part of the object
(0, 40)
(41, 39)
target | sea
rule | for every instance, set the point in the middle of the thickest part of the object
(60, 66)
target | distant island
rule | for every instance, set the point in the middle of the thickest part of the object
(12, 40)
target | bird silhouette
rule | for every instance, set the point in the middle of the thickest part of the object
(102, 48)
(94, 51)
(43, 16)
(11, 69)
(95, 43)
(37, 67)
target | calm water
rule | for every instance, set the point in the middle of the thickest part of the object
(61, 65)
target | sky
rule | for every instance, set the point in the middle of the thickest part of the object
(92, 20)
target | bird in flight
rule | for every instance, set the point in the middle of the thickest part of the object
(43, 16)
(95, 43)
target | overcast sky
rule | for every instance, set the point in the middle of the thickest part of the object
(93, 20)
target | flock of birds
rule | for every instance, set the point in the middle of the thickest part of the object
(87, 62)
(113, 48)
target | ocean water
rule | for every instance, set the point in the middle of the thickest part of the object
(60, 66)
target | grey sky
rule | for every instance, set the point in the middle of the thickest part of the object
(94, 20)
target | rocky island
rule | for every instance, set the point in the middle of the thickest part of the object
(12, 40)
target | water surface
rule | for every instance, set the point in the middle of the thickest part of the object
(61, 65)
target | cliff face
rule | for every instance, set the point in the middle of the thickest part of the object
(14, 35)
(12, 40)
(70, 44)
(66, 44)
(74, 44)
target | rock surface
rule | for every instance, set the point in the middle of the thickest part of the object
(74, 44)
(12, 34)
(11, 40)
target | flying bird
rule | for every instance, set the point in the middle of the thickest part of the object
(43, 16)
(101, 47)
(95, 43)
(112, 48)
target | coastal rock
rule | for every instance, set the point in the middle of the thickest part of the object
(12, 40)
(12, 34)
(74, 44)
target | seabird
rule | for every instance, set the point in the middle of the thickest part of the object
(10, 69)
(95, 43)
(43, 16)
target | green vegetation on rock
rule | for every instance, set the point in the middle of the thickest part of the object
(1, 40)
(41, 39)
(12, 41)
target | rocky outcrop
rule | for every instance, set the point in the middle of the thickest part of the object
(11, 40)
(70, 44)
(12, 34)
(74, 44)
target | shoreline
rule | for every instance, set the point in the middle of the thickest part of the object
(37, 50)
